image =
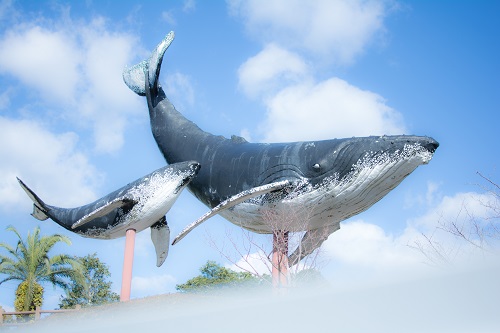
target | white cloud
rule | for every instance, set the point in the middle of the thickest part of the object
(168, 17)
(5, 98)
(108, 101)
(332, 108)
(6, 9)
(366, 245)
(300, 107)
(427, 200)
(179, 88)
(459, 207)
(152, 285)
(255, 263)
(49, 163)
(339, 30)
(78, 72)
(273, 66)
(42, 59)
(432, 189)
(189, 6)
(457, 228)
(366, 248)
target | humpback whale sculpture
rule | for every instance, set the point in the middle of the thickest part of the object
(138, 205)
(331, 179)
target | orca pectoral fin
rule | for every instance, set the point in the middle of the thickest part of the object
(231, 202)
(160, 235)
(311, 240)
(103, 210)
(39, 207)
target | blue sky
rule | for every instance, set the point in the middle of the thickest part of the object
(269, 71)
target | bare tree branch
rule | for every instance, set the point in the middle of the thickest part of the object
(245, 250)
(481, 232)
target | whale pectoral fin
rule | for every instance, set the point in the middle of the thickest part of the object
(311, 240)
(231, 202)
(160, 235)
(105, 209)
(39, 207)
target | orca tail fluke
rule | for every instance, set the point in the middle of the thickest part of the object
(135, 76)
(39, 207)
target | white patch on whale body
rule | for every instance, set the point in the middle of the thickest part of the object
(155, 196)
(334, 200)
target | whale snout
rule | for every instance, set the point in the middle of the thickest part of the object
(195, 167)
(191, 169)
(431, 145)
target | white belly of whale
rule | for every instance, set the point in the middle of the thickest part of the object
(154, 200)
(329, 204)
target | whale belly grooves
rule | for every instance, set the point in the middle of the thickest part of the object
(332, 201)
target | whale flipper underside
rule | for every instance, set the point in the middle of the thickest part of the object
(160, 235)
(311, 241)
(231, 202)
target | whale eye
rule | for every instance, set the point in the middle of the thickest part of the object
(316, 167)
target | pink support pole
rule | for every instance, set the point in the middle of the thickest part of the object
(280, 260)
(128, 262)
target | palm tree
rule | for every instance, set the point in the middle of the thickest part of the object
(30, 263)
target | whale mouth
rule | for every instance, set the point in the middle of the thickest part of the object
(431, 146)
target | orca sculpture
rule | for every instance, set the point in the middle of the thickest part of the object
(331, 180)
(138, 205)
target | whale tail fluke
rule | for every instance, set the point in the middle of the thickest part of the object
(135, 76)
(39, 207)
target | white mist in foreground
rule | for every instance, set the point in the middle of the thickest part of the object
(458, 301)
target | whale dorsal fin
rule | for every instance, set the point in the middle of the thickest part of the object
(103, 210)
(231, 202)
(238, 139)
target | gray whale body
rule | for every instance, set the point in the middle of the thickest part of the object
(138, 205)
(330, 180)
